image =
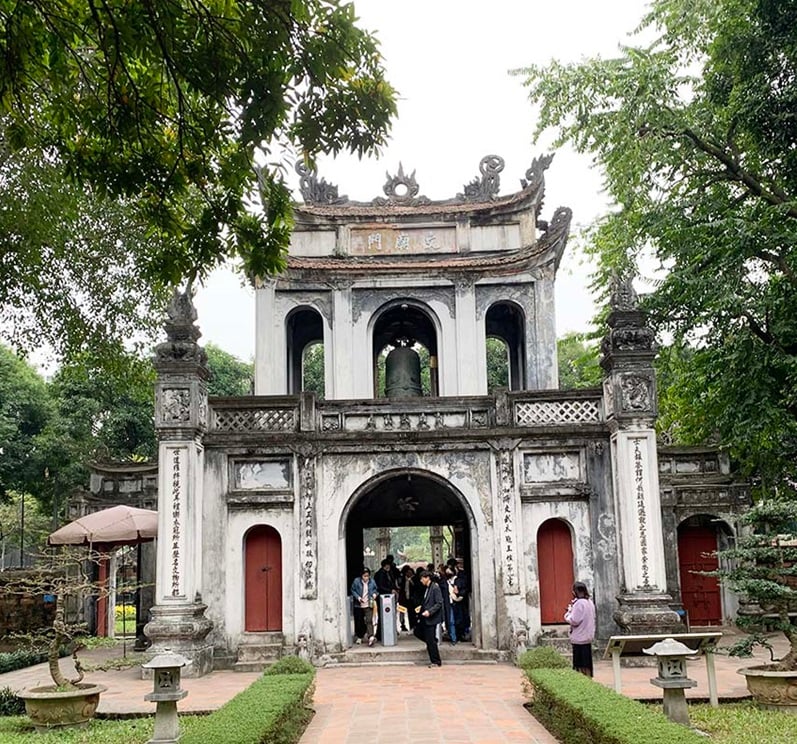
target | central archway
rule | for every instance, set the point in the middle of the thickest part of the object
(410, 497)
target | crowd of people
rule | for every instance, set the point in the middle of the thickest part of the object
(425, 597)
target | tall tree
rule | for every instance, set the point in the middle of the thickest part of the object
(167, 105)
(228, 374)
(696, 134)
(578, 362)
(25, 412)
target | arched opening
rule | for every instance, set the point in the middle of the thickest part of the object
(305, 329)
(408, 506)
(262, 580)
(699, 538)
(405, 325)
(505, 321)
(555, 570)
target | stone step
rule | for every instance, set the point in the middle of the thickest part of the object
(258, 651)
(409, 650)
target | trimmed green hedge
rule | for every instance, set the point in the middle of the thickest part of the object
(291, 665)
(10, 704)
(576, 709)
(270, 711)
(13, 660)
(542, 657)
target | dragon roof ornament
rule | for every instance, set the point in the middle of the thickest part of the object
(402, 190)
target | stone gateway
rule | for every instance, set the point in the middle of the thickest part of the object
(264, 500)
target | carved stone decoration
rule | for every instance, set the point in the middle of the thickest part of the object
(535, 175)
(605, 545)
(636, 393)
(308, 560)
(176, 406)
(488, 186)
(401, 190)
(181, 332)
(315, 191)
(623, 295)
(177, 526)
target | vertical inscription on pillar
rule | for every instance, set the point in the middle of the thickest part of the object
(309, 561)
(506, 475)
(176, 523)
(642, 517)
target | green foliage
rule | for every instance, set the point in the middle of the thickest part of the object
(762, 566)
(542, 657)
(132, 731)
(166, 107)
(270, 710)
(693, 125)
(10, 704)
(576, 709)
(228, 374)
(742, 723)
(72, 278)
(38, 526)
(25, 409)
(19, 659)
(578, 362)
(497, 364)
(290, 665)
(313, 370)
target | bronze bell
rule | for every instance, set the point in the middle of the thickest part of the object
(403, 373)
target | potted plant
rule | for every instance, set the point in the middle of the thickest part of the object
(762, 568)
(67, 703)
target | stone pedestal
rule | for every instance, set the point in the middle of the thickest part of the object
(183, 629)
(647, 613)
(436, 544)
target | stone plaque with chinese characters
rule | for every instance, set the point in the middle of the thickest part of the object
(548, 468)
(261, 475)
(388, 240)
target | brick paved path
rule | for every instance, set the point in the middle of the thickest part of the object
(409, 704)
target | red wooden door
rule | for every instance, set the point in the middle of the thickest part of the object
(263, 579)
(700, 594)
(555, 569)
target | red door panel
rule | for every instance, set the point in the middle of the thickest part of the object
(555, 569)
(700, 594)
(263, 579)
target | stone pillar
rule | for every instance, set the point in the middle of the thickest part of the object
(471, 359)
(383, 543)
(181, 411)
(344, 354)
(270, 362)
(631, 409)
(436, 544)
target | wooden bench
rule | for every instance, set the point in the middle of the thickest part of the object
(704, 644)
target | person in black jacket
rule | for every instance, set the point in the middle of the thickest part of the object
(430, 615)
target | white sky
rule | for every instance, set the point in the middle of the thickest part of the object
(449, 59)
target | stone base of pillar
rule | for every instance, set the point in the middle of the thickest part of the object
(181, 628)
(647, 613)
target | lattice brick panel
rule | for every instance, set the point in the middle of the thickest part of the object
(255, 419)
(541, 413)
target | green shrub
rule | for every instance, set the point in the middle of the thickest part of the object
(269, 711)
(290, 665)
(10, 704)
(542, 657)
(10, 661)
(576, 709)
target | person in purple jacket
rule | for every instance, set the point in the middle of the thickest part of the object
(580, 616)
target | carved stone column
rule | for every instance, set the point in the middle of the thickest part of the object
(436, 544)
(631, 409)
(383, 543)
(181, 410)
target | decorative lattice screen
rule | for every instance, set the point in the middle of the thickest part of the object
(541, 413)
(254, 419)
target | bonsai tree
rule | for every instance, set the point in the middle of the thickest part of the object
(763, 568)
(65, 576)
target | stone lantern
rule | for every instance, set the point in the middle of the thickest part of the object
(166, 692)
(671, 657)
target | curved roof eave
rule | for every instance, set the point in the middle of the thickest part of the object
(547, 250)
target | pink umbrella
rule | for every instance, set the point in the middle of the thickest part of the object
(119, 525)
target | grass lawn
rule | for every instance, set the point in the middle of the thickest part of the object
(18, 730)
(743, 723)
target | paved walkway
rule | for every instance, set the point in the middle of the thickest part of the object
(398, 702)
(410, 704)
